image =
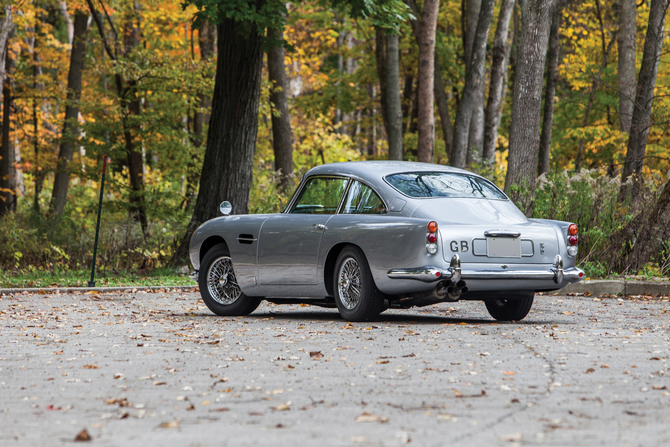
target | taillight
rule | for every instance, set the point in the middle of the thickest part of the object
(431, 237)
(573, 240)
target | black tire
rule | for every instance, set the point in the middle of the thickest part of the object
(513, 308)
(219, 288)
(356, 294)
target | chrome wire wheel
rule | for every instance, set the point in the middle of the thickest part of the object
(349, 283)
(221, 281)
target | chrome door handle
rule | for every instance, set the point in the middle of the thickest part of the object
(319, 226)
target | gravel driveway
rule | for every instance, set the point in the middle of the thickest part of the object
(140, 369)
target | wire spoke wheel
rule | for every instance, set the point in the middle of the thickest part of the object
(221, 281)
(349, 283)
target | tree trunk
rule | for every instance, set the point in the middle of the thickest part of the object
(70, 124)
(282, 138)
(438, 86)
(626, 72)
(550, 93)
(228, 165)
(443, 109)
(524, 138)
(498, 69)
(472, 11)
(475, 79)
(589, 106)
(644, 96)
(131, 101)
(426, 145)
(407, 102)
(7, 177)
(388, 69)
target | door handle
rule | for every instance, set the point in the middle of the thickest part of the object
(319, 227)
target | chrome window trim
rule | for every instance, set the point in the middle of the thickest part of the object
(289, 209)
(351, 181)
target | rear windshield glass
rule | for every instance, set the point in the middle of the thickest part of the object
(444, 184)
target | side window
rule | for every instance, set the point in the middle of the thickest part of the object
(321, 195)
(363, 200)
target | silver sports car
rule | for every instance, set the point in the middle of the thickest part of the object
(367, 236)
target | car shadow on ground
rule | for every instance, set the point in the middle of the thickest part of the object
(331, 316)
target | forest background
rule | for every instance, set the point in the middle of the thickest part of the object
(571, 121)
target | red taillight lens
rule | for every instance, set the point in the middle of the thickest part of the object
(572, 229)
(431, 237)
(573, 240)
(432, 227)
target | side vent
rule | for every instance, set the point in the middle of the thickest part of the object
(246, 239)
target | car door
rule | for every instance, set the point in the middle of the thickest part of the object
(288, 244)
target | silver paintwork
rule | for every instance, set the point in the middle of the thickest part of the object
(284, 255)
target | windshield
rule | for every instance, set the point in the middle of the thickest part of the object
(444, 184)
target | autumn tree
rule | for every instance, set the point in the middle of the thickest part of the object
(426, 75)
(474, 83)
(524, 138)
(118, 48)
(7, 193)
(282, 138)
(644, 99)
(627, 38)
(70, 132)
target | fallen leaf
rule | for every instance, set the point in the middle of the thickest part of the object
(171, 424)
(659, 387)
(283, 407)
(220, 410)
(160, 383)
(52, 408)
(368, 417)
(82, 436)
(508, 373)
(604, 365)
(90, 366)
(589, 371)
(382, 362)
(316, 354)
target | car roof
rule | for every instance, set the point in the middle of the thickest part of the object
(377, 169)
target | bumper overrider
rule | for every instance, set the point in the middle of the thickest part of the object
(455, 273)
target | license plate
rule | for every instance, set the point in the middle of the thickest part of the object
(503, 247)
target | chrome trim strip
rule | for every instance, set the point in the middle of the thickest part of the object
(502, 233)
(429, 273)
(425, 274)
(509, 274)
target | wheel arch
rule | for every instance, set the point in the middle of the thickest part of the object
(331, 260)
(210, 243)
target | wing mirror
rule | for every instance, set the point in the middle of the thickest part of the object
(225, 208)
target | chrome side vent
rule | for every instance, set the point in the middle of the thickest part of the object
(246, 239)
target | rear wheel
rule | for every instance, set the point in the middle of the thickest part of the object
(512, 308)
(356, 295)
(219, 288)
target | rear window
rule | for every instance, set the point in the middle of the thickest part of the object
(444, 184)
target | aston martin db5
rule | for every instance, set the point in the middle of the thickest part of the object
(372, 235)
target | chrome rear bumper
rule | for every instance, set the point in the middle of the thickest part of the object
(194, 276)
(454, 273)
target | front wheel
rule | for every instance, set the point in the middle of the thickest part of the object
(513, 308)
(219, 288)
(356, 294)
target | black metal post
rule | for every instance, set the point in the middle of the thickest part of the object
(91, 283)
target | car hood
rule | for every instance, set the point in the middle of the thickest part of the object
(470, 211)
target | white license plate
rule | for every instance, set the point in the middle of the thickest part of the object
(503, 247)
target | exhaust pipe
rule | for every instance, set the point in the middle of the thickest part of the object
(454, 291)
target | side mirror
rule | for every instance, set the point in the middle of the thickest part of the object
(225, 208)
